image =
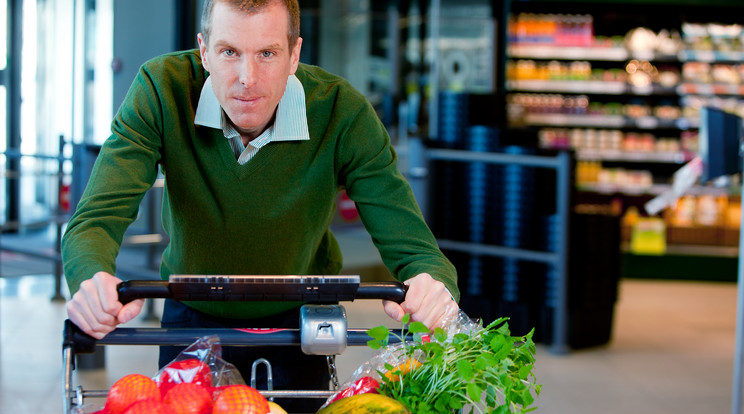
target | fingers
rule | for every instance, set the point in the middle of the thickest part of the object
(95, 307)
(428, 301)
(130, 310)
(393, 310)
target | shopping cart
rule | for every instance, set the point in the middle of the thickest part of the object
(323, 329)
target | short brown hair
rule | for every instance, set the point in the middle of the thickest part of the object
(253, 6)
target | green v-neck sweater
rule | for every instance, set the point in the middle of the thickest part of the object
(269, 216)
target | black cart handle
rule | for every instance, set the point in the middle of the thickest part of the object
(161, 289)
(393, 291)
(131, 290)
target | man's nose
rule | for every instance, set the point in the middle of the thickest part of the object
(248, 70)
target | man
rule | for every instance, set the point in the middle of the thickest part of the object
(254, 147)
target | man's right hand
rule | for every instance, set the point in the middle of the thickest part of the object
(95, 307)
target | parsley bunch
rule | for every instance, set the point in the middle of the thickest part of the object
(486, 368)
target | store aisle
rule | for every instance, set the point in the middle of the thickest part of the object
(672, 352)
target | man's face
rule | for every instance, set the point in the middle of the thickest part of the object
(249, 60)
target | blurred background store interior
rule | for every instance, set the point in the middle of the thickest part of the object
(549, 143)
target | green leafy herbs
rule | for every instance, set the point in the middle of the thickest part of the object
(487, 369)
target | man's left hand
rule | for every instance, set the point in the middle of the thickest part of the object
(427, 301)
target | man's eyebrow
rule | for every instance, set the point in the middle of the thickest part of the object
(222, 43)
(273, 46)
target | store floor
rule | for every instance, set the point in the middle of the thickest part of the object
(671, 352)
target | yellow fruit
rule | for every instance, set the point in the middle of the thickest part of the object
(365, 404)
(274, 408)
(402, 369)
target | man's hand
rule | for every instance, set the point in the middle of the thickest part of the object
(427, 301)
(96, 309)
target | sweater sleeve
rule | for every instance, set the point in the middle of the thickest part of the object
(386, 204)
(125, 169)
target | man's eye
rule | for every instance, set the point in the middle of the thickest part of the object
(229, 52)
(267, 53)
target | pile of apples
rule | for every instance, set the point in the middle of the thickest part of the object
(183, 387)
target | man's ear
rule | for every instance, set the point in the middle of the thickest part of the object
(295, 58)
(203, 51)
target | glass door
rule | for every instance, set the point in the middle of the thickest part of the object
(51, 74)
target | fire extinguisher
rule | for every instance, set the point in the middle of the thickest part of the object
(64, 198)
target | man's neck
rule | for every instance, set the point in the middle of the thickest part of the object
(248, 136)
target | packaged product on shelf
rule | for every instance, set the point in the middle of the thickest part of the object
(637, 108)
(709, 210)
(696, 72)
(695, 36)
(551, 29)
(641, 40)
(667, 111)
(725, 37)
(689, 141)
(683, 213)
(641, 73)
(648, 236)
(732, 223)
(724, 73)
(669, 77)
(668, 145)
(669, 42)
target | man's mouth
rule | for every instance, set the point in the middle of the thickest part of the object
(247, 99)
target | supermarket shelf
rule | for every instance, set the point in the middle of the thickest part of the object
(499, 251)
(693, 250)
(611, 121)
(573, 53)
(653, 190)
(608, 121)
(635, 156)
(569, 86)
(618, 54)
(651, 90)
(710, 89)
(711, 56)
(702, 250)
(603, 188)
(588, 87)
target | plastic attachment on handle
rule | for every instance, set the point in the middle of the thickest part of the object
(394, 291)
(74, 337)
(143, 289)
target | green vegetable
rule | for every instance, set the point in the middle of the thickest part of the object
(487, 369)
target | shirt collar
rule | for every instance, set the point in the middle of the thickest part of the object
(291, 116)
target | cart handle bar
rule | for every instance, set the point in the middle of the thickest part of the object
(327, 294)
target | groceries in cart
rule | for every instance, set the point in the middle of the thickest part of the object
(463, 367)
(198, 381)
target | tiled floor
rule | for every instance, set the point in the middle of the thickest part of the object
(671, 352)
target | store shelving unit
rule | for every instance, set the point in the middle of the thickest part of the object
(552, 56)
(419, 158)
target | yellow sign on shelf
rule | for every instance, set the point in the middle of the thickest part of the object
(648, 236)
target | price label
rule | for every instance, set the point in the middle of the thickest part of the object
(647, 122)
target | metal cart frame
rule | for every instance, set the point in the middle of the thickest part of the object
(77, 342)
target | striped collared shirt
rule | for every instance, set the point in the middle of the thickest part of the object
(290, 123)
